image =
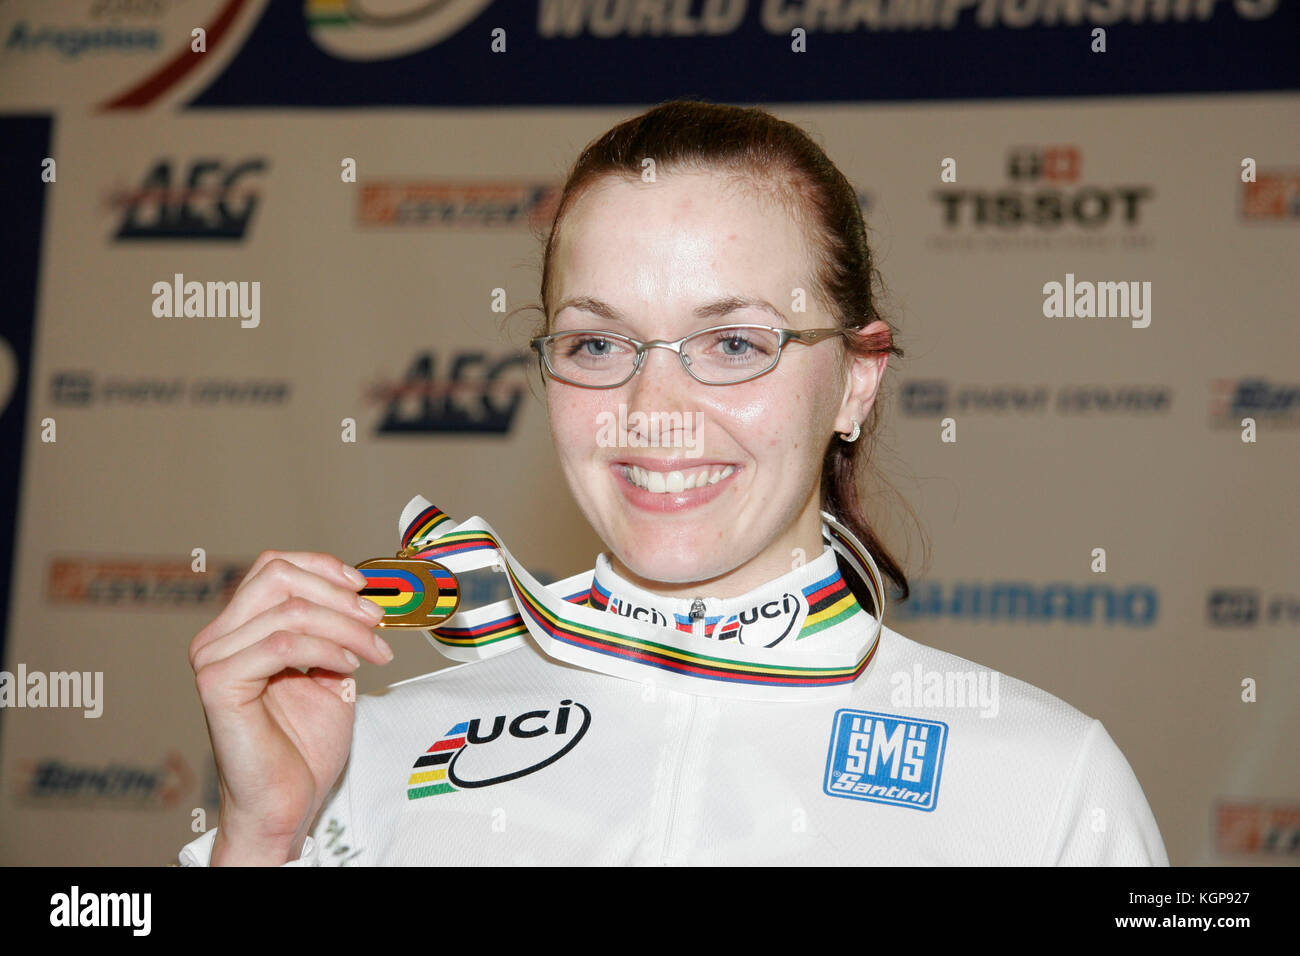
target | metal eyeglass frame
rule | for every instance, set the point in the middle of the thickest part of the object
(784, 336)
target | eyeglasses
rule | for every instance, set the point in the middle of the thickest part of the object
(723, 355)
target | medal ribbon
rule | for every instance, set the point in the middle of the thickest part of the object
(567, 629)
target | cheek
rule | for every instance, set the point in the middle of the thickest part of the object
(574, 424)
(779, 420)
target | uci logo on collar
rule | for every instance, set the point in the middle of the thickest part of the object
(885, 758)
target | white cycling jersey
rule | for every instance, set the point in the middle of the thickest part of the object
(924, 758)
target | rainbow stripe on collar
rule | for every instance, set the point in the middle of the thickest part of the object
(571, 628)
(829, 602)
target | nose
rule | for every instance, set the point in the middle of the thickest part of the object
(662, 386)
(661, 367)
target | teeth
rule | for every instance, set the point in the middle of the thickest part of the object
(675, 482)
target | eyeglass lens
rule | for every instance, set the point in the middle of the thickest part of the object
(717, 356)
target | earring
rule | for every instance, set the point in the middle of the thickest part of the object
(853, 436)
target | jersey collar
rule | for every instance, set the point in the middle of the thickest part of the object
(800, 603)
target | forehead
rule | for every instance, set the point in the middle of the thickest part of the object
(687, 236)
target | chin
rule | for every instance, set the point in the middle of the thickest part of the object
(655, 561)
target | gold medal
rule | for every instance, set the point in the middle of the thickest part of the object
(413, 592)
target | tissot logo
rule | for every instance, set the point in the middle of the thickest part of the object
(1046, 200)
(485, 751)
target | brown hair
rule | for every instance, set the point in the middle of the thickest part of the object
(756, 148)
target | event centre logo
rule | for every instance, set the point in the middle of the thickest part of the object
(81, 388)
(927, 398)
(470, 391)
(206, 199)
(467, 757)
(383, 29)
(1250, 607)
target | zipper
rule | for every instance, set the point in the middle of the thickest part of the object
(697, 617)
(677, 782)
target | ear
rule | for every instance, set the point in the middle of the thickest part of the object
(865, 373)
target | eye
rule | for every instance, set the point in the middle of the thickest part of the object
(741, 343)
(735, 344)
(589, 345)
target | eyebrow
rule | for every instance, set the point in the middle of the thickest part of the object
(715, 309)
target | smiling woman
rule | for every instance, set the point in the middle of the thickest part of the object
(720, 688)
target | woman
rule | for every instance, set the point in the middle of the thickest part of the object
(707, 284)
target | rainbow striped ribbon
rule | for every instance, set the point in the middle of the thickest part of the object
(566, 628)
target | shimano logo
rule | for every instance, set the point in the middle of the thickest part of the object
(1135, 606)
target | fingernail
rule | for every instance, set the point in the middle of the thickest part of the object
(353, 575)
(382, 646)
(351, 658)
(373, 610)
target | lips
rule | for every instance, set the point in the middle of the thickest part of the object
(656, 486)
(675, 482)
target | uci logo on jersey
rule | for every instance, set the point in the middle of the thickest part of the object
(885, 759)
(479, 753)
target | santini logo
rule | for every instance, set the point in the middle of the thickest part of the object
(469, 756)
(884, 758)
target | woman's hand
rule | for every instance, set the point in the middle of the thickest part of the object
(280, 736)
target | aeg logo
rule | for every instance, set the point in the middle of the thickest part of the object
(466, 757)
(205, 200)
(764, 625)
(469, 391)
